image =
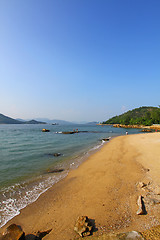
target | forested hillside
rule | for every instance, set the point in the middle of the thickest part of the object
(138, 116)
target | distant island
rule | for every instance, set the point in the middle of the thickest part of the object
(7, 120)
(145, 116)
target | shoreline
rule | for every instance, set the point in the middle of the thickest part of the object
(103, 187)
(154, 127)
(69, 165)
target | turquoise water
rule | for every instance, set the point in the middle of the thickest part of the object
(26, 158)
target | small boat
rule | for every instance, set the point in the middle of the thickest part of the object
(45, 130)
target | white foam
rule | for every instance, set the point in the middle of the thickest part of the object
(11, 206)
(97, 146)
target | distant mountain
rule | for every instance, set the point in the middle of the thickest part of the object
(21, 120)
(34, 122)
(79, 122)
(60, 122)
(92, 123)
(138, 116)
(7, 120)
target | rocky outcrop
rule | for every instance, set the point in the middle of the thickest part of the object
(83, 226)
(146, 130)
(127, 126)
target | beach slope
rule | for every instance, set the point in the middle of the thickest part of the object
(105, 188)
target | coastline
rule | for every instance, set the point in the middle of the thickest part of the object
(104, 187)
(35, 187)
(154, 127)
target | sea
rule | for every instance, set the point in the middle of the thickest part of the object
(28, 165)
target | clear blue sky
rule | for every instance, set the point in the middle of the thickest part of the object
(78, 59)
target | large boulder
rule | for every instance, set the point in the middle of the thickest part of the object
(13, 232)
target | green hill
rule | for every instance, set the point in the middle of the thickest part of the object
(138, 116)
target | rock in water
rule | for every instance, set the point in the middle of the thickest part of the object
(55, 171)
(105, 139)
(57, 154)
(13, 232)
(83, 226)
(45, 130)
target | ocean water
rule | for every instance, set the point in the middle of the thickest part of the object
(27, 161)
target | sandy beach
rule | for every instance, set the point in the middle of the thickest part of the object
(105, 188)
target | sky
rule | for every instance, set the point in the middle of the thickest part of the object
(78, 60)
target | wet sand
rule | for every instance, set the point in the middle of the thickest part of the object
(105, 188)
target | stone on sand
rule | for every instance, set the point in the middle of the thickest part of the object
(83, 226)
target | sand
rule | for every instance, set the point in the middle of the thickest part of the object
(105, 188)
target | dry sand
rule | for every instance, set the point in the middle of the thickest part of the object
(104, 188)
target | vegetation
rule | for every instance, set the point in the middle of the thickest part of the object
(138, 116)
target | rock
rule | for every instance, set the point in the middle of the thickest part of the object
(142, 184)
(57, 154)
(55, 170)
(106, 139)
(142, 209)
(13, 232)
(54, 154)
(83, 226)
(45, 130)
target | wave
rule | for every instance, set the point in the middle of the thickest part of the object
(18, 196)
